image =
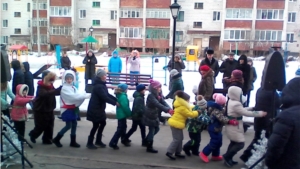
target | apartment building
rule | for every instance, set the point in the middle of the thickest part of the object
(293, 26)
(15, 26)
(42, 6)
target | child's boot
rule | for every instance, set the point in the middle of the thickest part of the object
(203, 157)
(90, 144)
(150, 147)
(186, 148)
(171, 156)
(144, 143)
(73, 142)
(99, 141)
(217, 158)
(56, 140)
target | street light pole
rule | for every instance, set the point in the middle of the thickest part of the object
(91, 30)
(175, 11)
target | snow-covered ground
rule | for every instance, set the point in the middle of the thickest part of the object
(189, 78)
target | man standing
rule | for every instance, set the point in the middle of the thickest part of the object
(211, 62)
(178, 65)
(228, 66)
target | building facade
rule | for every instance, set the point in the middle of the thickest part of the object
(293, 27)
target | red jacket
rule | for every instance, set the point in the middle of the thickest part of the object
(19, 111)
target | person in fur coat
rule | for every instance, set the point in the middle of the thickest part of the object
(235, 134)
(43, 107)
(70, 100)
(206, 86)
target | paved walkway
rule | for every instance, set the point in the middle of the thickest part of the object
(51, 157)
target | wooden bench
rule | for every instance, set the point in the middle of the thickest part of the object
(113, 79)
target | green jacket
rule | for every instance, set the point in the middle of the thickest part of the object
(123, 111)
(176, 84)
(193, 125)
(138, 107)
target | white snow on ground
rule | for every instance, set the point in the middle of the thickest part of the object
(190, 78)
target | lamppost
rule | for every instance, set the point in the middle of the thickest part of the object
(91, 30)
(175, 11)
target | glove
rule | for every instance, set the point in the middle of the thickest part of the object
(233, 122)
(134, 57)
(171, 112)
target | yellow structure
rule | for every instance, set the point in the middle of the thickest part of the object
(192, 56)
(82, 68)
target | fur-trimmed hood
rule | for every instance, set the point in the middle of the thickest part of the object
(46, 81)
(236, 93)
(69, 72)
(137, 53)
(20, 89)
(208, 73)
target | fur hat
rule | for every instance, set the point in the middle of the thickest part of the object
(100, 73)
(204, 68)
(155, 84)
(201, 102)
(183, 95)
(140, 87)
(210, 51)
(123, 87)
(219, 99)
(173, 72)
(237, 74)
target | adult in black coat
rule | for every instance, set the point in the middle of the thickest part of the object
(90, 62)
(211, 62)
(5, 66)
(178, 64)
(96, 108)
(283, 145)
(245, 68)
(65, 61)
(228, 66)
(263, 101)
(18, 76)
(28, 78)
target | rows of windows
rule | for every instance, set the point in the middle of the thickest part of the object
(60, 30)
(43, 22)
(157, 33)
(158, 14)
(268, 35)
(41, 5)
(43, 39)
(126, 32)
(131, 13)
(269, 14)
(60, 11)
(237, 34)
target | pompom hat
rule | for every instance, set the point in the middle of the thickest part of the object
(204, 68)
(201, 102)
(237, 74)
(155, 84)
(219, 99)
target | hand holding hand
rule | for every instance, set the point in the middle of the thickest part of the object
(233, 122)
(171, 112)
(263, 113)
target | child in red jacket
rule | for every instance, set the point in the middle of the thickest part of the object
(19, 111)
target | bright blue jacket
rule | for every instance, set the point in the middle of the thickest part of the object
(115, 63)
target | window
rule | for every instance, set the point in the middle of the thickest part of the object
(179, 36)
(272, 35)
(199, 5)
(269, 14)
(290, 37)
(4, 7)
(43, 22)
(292, 17)
(157, 33)
(42, 6)
(163, 14)
(5, 23)
(81, 32)
(28, 7)
(17, 31)
(216, 16)
(237, 34)
(4, 39)
(18, 14)
(131, 13)
(239, 14)
(96, 4)
(60, 30)
(197, 24)
(43, 39)
(96, 22)
(126, 32)
(60, 11)
(113, 15)
(29, 23)
(82, 14)
(292, 0)
(180, 17)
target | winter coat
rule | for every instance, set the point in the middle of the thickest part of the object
(90, 67)
(176, 84)
(18, 76)
(283, 144)
(5, 67)
(227, 67)
(233, 82)
(252, 79)
(134, 64)
(76, 84)
(245, 68)
(206, 85)
(65, 62)
(263, 101)
(178, 66)
(122, 111)
(182, 111)
(155, 104)
(235, 110)
(45, 101)
(213, 64)
(138, 107)
(19, 111)
(4, 103)
(115, 64)
(193, 124)
(97, 105)
(217, 117)
(70, 99)
(28, 77)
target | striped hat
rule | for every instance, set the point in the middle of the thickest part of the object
(201, 102)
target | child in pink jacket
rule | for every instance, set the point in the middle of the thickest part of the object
(19, 111)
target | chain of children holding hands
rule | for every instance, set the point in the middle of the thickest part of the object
(209, 115)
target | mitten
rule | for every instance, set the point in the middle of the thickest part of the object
(171, 112)
(59, 88)
(233, 122)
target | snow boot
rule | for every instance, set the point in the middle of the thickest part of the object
(144, 143)
(203, 157)
(171, 156)
(73, 142)
(99, 142)
(216, 158)
(150, 147)
(186, 148)
(90, 144)
(179, 155)
(56, 140)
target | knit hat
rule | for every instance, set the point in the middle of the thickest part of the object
(204, 68)
(69, 75)
(140, 87)
(123, 87)
(183, 95)
(100, 73)
(173, 72)
(298, 73)
(219, 99)
(201, 102)
(237, 74)
(155, 84)
(195, 89)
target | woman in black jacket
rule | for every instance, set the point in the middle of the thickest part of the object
(96, 109)
(245, 68)
(28, 77)
(65, 61)
(90, 62)
(18, 76)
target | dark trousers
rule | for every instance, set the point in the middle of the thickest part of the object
(120, 133)
(214, 144)
(98, 126)
(44, 126)
(20, 127)
(233, 148)
(194, 143)
(69, 125)
(161, 119)
(152, 132)
(248, 98)
(135, 124)
(6, 113)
